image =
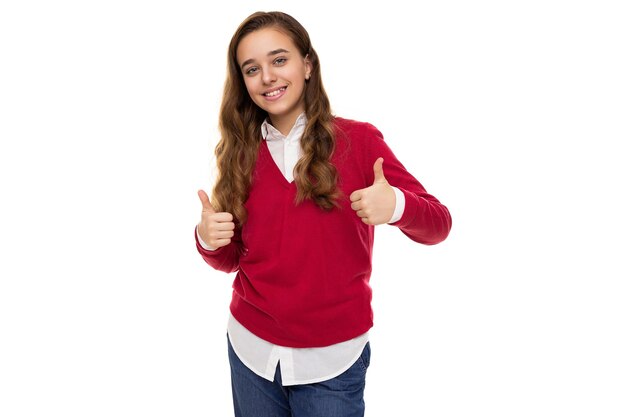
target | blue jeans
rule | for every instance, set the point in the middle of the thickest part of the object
(341, 396)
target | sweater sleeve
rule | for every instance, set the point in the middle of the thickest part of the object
(226, 258)
(425, 220)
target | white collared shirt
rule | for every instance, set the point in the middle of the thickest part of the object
(297, 365)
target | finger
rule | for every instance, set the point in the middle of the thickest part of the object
(206, 203)
(222, 217)
(361, 214)
(221, 242)
(226, 226)
(357, 205)
(356, 195)
(223, 225)
(221, 234)
(379, 175)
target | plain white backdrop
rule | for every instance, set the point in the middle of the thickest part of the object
(510, 113)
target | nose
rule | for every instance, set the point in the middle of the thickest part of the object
(268, 76)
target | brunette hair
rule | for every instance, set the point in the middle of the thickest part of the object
(240, 123)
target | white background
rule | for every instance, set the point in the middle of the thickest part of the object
(510, 112)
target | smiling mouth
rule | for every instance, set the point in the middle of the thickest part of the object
(275, 92)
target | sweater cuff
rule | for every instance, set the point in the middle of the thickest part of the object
(204, 245)
(410, 210)
(400, 202)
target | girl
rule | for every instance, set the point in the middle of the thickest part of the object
(293, 211)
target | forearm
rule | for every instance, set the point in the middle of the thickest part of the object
(425, 219)
(224, 259)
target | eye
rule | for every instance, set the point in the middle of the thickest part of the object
(280, 61)
(251, 70)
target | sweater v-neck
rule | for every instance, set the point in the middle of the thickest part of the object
(266, 154)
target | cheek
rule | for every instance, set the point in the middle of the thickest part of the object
(250, 86)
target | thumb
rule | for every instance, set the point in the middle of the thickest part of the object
(379, 175)
(206, 203)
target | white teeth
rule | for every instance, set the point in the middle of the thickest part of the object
(274, 93)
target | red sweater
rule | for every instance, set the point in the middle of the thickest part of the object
(303, 273)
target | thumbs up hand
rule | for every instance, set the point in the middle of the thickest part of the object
(215, 229)
(376, 203)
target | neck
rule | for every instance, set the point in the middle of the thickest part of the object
(284, 123)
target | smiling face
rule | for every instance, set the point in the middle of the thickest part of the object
(274, 72)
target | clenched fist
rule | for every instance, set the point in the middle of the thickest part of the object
(376, 203)
(215, 229)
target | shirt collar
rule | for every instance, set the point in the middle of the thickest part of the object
(269, 132)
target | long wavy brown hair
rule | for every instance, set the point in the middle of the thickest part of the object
(240, 126)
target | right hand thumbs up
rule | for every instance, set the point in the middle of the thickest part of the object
(215, 229)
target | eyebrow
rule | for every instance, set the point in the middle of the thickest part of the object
(270, 53)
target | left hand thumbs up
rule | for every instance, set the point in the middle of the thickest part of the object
(376, 203)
